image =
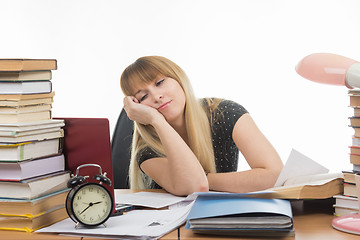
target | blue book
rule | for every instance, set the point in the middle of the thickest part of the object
(231, 215)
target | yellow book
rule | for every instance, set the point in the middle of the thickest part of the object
(32, 223)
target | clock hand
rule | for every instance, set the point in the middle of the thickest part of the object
(97, 202)
(90, 205)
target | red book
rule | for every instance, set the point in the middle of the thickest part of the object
(87, 140)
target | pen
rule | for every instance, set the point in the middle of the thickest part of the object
(121, 209)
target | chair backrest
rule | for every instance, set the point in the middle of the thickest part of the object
(121, 150)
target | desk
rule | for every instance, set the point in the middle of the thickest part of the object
(312, 220)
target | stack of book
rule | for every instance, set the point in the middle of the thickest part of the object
(33, 180)
(348, 202)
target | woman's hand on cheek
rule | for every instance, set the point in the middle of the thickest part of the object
(139, 112)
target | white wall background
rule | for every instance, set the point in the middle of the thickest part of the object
(244, 50)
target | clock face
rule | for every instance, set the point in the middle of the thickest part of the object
(91, 204)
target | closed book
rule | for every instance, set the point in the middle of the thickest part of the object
(18, 171)
(25, 87)
(24, 109)
(34, 187)
(30, 224)
(226, 215)
(356, 111)
(354, 100)
(29, 150)
(355, 159)
(30, 132)
(34, 137)
(356, 131)
(354, 150)
(355, 121)
(355, 141)
(32, 207)
(342, 211)
(17, 100)
(25, 117)
(349, 176)
(25, 75)
(346, 201)
(24, 64)
(21, 129)
(19, 97)
(350, 189)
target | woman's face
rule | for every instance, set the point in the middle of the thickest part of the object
(166, 95)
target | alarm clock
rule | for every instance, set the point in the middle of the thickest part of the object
(89, 204)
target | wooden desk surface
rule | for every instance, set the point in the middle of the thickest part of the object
(312, 221)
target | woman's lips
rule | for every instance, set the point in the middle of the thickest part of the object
(165, 105)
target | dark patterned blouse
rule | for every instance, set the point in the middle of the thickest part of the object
(226, 153)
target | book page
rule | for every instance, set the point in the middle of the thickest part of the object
(299, 165)
(312, 179)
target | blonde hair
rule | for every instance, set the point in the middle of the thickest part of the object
(145, 70)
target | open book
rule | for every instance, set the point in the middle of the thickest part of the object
(318, 186)
(302, 178)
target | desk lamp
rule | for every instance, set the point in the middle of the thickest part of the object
(337, 70)
(330, 69)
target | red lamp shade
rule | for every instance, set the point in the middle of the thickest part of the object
(330, 69)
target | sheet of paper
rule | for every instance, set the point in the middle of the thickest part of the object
(299, 165)
(148, 199)
(237, 195)
(137, 224)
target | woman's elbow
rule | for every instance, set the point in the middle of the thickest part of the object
(190, 189)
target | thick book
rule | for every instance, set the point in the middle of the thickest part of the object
(26, 76)
(32, 207)
(25, 87)
(226, 215)
(22, 129)
(16, 152)
(25, 117)
(349, 175)
(30, 224)
(34, 187)
(350, 189)
(346, 201)
(343, 211)
(24, 64)
(18, 171)
(17, 100)
(303, 178)
(34, 137)
(317, 186)
(24, 109)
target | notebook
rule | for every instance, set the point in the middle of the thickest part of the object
(87, 140)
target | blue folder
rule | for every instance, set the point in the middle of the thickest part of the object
(221, 206)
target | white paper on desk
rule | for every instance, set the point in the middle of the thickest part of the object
(137, 224)
(299, 165)
(148, 199)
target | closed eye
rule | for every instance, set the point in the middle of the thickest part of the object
(158, 83)
(143, 98)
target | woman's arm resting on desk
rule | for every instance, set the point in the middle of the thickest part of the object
(261, 156)
(180, 173)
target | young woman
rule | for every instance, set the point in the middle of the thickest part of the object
(185, 145)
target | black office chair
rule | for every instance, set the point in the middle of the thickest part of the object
(121, 150)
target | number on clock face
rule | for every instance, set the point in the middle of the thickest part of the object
(91, 204)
